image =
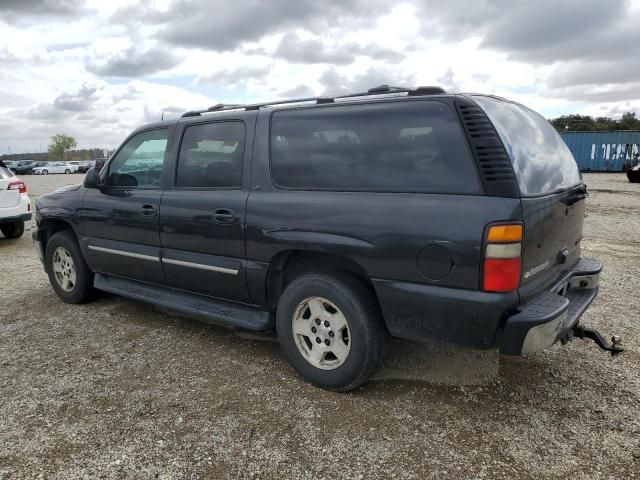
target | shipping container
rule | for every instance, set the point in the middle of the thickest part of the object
(604, 151)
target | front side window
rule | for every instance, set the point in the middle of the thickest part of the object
(211, 156)
(415, 146)
(139, 163)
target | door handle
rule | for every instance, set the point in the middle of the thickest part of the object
(224, 215)
(148, 210)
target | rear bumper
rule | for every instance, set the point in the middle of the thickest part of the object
(550, 316)
(24, 217)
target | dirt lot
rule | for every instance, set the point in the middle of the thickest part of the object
(116, 389)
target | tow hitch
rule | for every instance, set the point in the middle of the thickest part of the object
(582, 332)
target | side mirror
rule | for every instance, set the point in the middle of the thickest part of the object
(92, 179)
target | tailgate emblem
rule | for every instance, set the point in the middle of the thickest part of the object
(535, 270)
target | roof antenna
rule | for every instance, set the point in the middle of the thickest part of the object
(162, 117)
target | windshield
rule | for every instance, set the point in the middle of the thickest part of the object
(541, 160)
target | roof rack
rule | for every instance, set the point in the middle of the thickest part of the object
(379, 90)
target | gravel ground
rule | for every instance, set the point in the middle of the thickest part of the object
(116, 389)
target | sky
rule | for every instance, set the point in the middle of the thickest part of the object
(97, 69)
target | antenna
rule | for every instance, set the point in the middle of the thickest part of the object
(162, 117)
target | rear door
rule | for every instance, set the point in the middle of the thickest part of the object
(120, 221)
(202, 214)
(552, 193)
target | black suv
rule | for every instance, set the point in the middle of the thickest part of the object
(340, 222)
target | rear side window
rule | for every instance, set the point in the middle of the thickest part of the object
(211, 156)
(541, 160)
(413, 146)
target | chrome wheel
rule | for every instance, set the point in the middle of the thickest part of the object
(321, 333)
(64, 270)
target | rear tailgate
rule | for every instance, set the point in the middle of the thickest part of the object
(8, 198)
(551, 191)
(552, 234)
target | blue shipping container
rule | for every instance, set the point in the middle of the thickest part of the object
(603, 151)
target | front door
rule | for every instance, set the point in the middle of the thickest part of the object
(202, 213)
(120, 220)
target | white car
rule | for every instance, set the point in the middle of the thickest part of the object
(55, 167)
(15, 206)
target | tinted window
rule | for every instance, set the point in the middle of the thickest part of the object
(211, 156)
(542, 161)
(139, 162)
(413, 146)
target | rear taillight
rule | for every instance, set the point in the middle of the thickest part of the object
(502, 258)
(17, 185)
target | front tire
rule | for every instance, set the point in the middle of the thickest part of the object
(331, 330)
(67, 171)
(69, 274)
(45, 172)
(13, 229)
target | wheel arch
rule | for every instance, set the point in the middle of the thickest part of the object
(286, 265)
(49, 226)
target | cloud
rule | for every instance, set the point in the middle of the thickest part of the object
(299, 91)
(235, 75)
(545, 32)
(294, 49)
(134, 62)
(65, 105)
(79, 101)
(17, 10)
(601, 72)
(335, 83)
(219, 25)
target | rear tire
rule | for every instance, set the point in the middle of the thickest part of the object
(13, 229)
(67, 171)
(331, 313)
(69, 274)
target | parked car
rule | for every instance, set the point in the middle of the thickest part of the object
(24, 167)
(84, 166)
(633, 170)
(11, 165)
(338, 222)
(55, 167)
(99, 163)
(15, 206)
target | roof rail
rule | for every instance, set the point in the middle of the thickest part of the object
(379, 90)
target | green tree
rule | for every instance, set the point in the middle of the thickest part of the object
(586, 123)
(61, 144)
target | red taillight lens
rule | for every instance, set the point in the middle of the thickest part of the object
(17, 185)
(502, 258)
(501, 274)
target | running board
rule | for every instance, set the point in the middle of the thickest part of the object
(203, 308)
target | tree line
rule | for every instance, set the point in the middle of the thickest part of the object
(587, 123)
(60, 148)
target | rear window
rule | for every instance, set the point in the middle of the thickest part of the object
(387, 147)
(541, 160)
(4, 172)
